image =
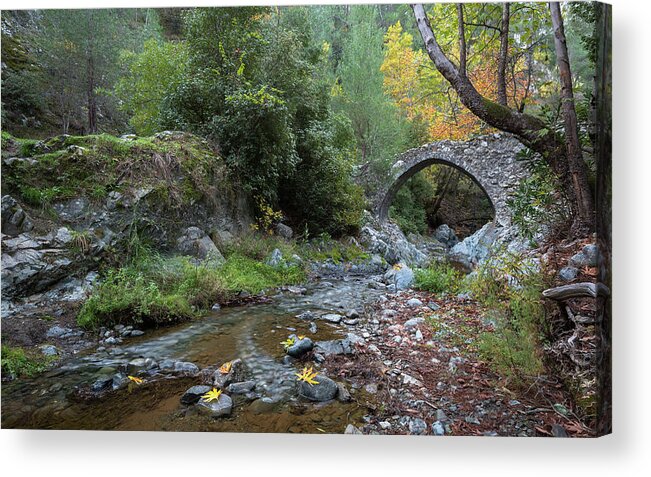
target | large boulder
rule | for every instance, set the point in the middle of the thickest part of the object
(400, 276)
(475, 248)
(391, 244)
(284, 231)
(196, 243)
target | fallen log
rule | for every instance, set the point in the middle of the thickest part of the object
(577, 290)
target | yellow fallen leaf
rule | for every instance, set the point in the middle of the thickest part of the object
(135, 379)
(212, 395)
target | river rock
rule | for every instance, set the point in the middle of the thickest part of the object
(49, 350)
(324, 391)
(342, 393)
(221, 407)
(306, 315)
(400, 276)
(236, 374)
(185, 367)
(300, 347)
(332, 317)
(475, 248)
(193, 394)
(242, 387)
(414, 302)
(119, 380)
(102, 384)
(334, 347)
(136, 365)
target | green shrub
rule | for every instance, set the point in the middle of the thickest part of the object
(17, 362)
(438, 277)
(153, 290)
(510, 287)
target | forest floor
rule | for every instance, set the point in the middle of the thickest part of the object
(428, 374)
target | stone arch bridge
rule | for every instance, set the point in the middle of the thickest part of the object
(490, 161)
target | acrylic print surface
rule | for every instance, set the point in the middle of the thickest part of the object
(360, 219)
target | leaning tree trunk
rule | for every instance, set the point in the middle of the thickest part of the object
(584, 210)
(503, 57)
(530, 130)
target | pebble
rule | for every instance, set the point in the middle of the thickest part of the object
(417, 426)
(414, 302)
(438, 429)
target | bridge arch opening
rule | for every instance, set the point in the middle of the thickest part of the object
(435, 192)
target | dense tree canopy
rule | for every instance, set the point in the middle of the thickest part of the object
(298, 98)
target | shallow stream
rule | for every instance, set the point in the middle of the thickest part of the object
(252, 333)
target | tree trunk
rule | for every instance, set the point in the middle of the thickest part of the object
(90, 85)
(503, 57)
(584, 211)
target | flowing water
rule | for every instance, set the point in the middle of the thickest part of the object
(252, 333)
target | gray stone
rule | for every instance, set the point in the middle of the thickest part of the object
(284, 231)
(558, 431)
(186, 367)
(57, 331)
(334, 347)
(446, 235)
(476, 248)
(417, 426)
(587, 257)
(414, 302)
(324, 391)
(196, 243)
(275, 258)
(242, 387)
(300, 347)
(136, 333)
(221, 407)
(438, 429)
(306, 315)
(14, 219)
(193, 394)
(167, 364)
(136, 365)
(102, 384)
(49, 350)
(342, 393)
(400, 275)
(236, 374)
(433, 306)
(414, 322)
(313, 328)
(332, 317)
(350, 429)
(371, 388)
(352, 314)
(119, 380)
(567, 274)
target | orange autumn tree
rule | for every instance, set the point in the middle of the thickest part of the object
(424, 96)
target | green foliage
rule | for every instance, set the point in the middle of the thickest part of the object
(149, 76)
(153, 291)
(409, 206)
(511, 288)
(17, 362)
(438, 277)
(536, 201)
